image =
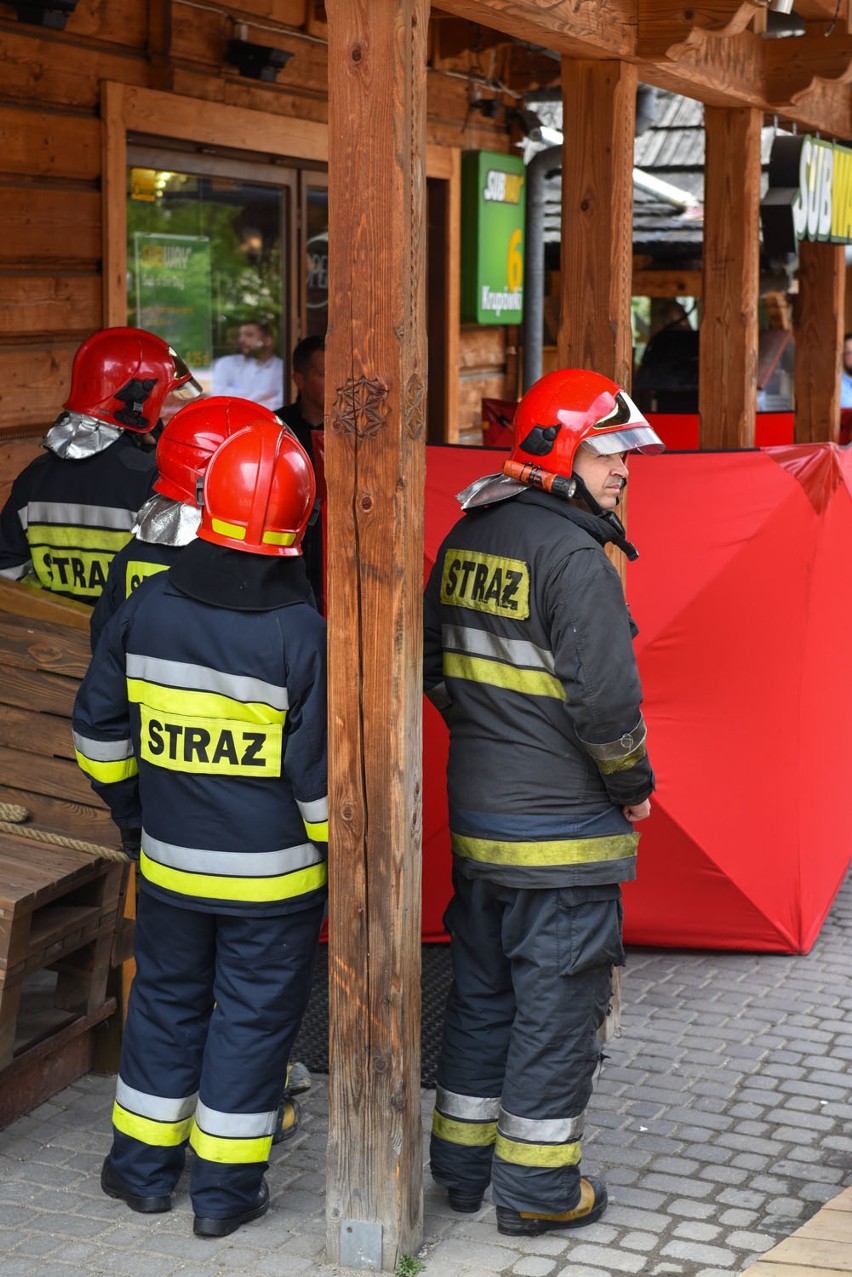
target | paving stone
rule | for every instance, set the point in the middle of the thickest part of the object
(699, 1253)
(534, 1266)
(748, 1110)
(608, 1259)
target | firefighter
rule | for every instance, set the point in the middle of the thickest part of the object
(202, 723)
(169, 519)
(72, 508)
(528, 655)
(166, 523)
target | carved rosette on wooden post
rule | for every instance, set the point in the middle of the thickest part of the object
(375, 466)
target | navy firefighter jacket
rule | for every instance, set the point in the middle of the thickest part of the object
(130, 567)
(206, 726)
(65, 519)
(528, 655)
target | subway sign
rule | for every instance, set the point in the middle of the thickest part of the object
(809, 195)
(493, 212)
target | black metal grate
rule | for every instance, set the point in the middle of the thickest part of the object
(312, 1043)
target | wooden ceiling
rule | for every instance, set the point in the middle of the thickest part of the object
(713, 50)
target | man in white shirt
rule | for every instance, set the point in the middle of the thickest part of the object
(846, 373)
(256, 373)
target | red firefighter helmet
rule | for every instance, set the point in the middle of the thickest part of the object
(259, 492)
(122, 376)
(570, 407)
(193, 435)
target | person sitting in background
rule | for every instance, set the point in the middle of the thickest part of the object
(72, 508)
(256, 372)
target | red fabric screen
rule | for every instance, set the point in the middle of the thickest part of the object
(741, 595)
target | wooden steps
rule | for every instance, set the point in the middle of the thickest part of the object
(820, 1248)
(62, 930)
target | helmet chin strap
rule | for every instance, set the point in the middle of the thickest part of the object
(582, 493)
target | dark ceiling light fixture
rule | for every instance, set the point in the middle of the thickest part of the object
(781, 24)
(256, 61)
(47, 13)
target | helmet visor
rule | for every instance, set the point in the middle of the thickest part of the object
(185, 387)
(623, 429)
(635, 439)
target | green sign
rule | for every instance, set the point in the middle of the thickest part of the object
(493, 206)
(173, 292)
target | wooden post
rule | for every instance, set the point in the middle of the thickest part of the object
(599, 114)
(595, 330)
(374, 465)
(727, 374)
(818, 323)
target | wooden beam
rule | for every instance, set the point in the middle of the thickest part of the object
(727, 386)
(599, 104)
(375, 465)
(603, 28)
(667, 283)
(792, 71)
(664, 26)
(706, 51)
(818, 325)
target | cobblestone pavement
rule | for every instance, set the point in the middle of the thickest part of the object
(721, 1122)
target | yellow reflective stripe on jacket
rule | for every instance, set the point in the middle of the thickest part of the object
(148, 1131)
(471, 1134)
(107, 773)
(564, 851)
(317, 831)
(543, 1155)
(478, 669)
(137, 571)
(194, 703)
(217, 1148)
(215, 887)
(611, 765)
(74, 537)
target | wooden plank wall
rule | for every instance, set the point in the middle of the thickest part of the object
(51, 211)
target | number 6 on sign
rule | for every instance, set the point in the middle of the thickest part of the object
(514, 262)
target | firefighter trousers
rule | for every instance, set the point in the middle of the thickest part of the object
(531, 985)
(214, 1010)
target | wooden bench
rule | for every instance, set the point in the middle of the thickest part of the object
(62, 927)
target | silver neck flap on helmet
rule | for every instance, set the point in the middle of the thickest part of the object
(488, 489)
(74, 436)
(164, 521)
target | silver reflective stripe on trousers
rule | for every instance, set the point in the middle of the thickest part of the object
(554, 1130)
(158, 1108)
(468, 1108)
(234, 1125)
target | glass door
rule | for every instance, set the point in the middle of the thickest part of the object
(315, 255)
(210, 265)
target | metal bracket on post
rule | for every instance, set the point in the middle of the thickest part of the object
(360, 1244)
